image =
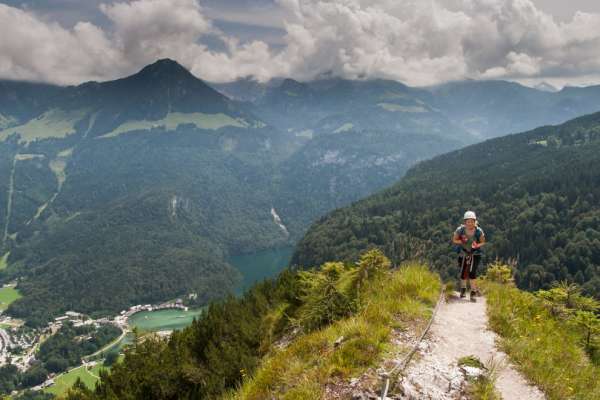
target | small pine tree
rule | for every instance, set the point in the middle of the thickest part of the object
(323, 301)
(372, 264)
(590, 323)
(79, 391)
(566, 298)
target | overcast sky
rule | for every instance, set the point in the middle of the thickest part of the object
(418, 42)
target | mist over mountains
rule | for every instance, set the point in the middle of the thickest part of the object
(138, 189)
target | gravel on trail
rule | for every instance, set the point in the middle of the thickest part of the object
(459, 330)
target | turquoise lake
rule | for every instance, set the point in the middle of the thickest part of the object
(262, 265)
(254, 267)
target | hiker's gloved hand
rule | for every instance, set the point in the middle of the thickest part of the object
(475, 246)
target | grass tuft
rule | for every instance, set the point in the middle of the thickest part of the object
(470, 361)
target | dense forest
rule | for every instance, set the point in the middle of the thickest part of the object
(537, 195)
(135, 223)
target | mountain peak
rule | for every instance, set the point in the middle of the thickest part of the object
(165, 67)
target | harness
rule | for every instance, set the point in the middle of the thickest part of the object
(476, 237)
(467, 265)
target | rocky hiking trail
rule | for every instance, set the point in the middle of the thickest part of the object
(459, 329)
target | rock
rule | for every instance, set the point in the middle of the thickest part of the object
(472, 372)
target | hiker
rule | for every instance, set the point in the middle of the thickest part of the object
(470, 238)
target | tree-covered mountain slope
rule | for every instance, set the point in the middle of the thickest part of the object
(133, 191)
(135, 169)
(21, 101)
(332, 171)
(536, 195)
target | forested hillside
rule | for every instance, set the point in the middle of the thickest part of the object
(332, 171)
(536, 193)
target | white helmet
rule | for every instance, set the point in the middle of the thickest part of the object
(470, 215)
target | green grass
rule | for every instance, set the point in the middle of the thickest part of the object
(58, 168)
(301, 371)
(546, 349)
(65, 381)
(52, 124)
(88, 377)
(4, 261)
(482, 387)
(470, 361)
(173, 120)
(66, 153)
(7, 296)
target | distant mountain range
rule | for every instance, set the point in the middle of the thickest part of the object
(138, 189)
(477, 109)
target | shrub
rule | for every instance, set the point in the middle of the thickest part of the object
(499, 273)
(323, 299)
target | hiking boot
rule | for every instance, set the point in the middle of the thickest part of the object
(472, 295)
(463, 292)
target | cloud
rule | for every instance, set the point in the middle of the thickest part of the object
(31, 49)
(148, 29)
(415, 41)
(425, 42)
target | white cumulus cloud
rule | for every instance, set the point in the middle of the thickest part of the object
(418, 42)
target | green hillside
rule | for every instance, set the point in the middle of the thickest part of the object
(536, 193)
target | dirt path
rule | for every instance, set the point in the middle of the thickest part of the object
(459, 330)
